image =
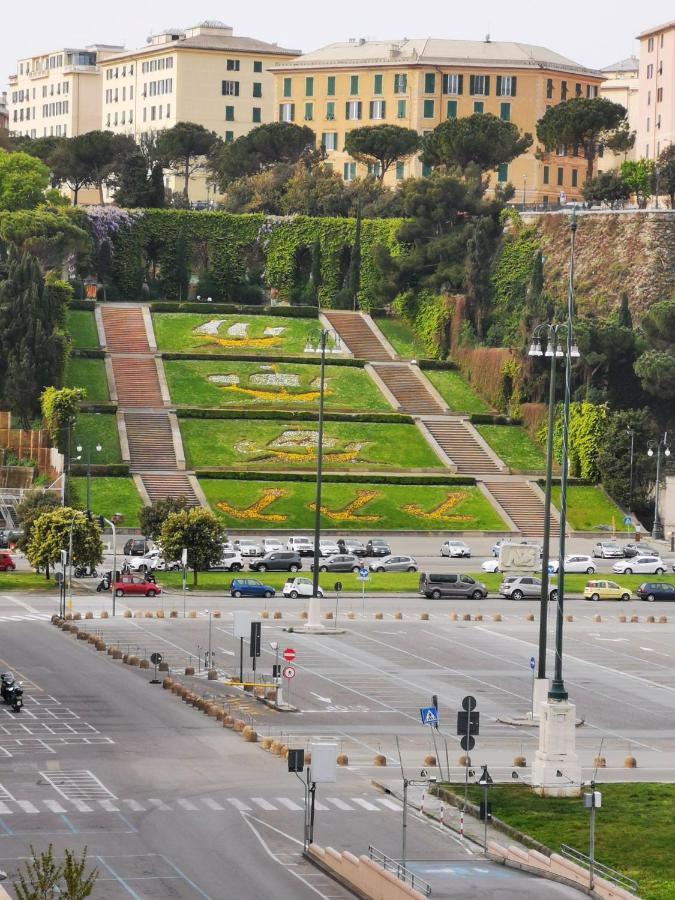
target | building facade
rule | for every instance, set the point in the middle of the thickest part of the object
(57, 94)
(4, 114)
(621, 85)
(656, 117)
(419, 83)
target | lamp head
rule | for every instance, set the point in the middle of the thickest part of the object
(79, 448)
(574, 352)
(650, 452)
(535, 348)
(98, 448)
(666, 452)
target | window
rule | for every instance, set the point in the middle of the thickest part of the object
(309, 86)
(429, 83)
(329, 140)
(353, 109)
(330, 86)
(650, 71)
(451, 112)
(400, 170)
(131, 92)
(377, 109)
(257, 65)
(229, 137)
(659, 95)
(506, 85)
(503, 173)
(233, 65)
(377, 84)
(426, 169)
(230, 88)
(505, 111)
(257, 114)
(428, 109)
(561, 173)
(650, 44)
(563, 90)
(287, 112)
(546, 175)
(375, 169)
(648, 123)
(453, 84)
(479, 85)
(153, 113)
(131, 117)
(353, 84)
(577, 90)
(349, 171)
(591, 91)
(401, 109)
(287, 87)
(478, 106)
(309, 112)
(575, 176)
(330, 109)
(229, 113)
(400, 83)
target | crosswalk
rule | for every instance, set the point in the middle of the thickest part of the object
(27, 617)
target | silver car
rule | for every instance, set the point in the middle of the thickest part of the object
(521, 587)
(455, 548)
(394, 564)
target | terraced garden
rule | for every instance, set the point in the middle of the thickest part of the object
(456, 392)
(589, 508)
(514, 446)
(110, 496)
(90, 375)
(94, 429)
(81, 325)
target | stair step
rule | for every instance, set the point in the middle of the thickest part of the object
(161, 485)
(356, 333)
(409, 390)
(522, 504)
(461, 446)
(124, 330)
(137, 382)
(150, 438)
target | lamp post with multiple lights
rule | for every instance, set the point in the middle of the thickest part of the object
(656, 447)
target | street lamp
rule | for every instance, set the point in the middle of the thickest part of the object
(631, 433)
(80, 449)
(657, 530)
(524, 189)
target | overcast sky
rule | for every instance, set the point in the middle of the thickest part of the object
(592, 33)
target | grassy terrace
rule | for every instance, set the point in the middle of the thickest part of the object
(90, 375)
(261, 444)
(514, 446)
(81, 325)
(270, 385)
(98, 428)
(456, 392)
(588, 508)
(110, 496)
(402, 338)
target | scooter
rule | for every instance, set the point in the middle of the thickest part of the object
(12, 692)
(104, 583)
(86, 572)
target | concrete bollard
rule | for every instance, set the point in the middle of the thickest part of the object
(567, 618)
(265, 614)
(213, 674)
(464, 761)
(342, 759)
(429, 760)
(304, 614)
(250, 736)
(239, 725)
(104, 614)
(101, 645)
(117, 654)
(189, 670)
(630, 762)
(635, 618)
(398, 615)
(663, 620)
(163, 667)
(127, 613)
(351, 614)
(159, 614)
(328, 614)
(597, 618)
(379, 616)
(278, 614)
(478, 617)
(519, 762)
(82, 636)
(77, 616)
(529, 617)
(173, 614)
(650, 620)
(192, 614)
(217, 614)
(266, 743)
(228, 721)
(380, 760)
(133, 661)
(89, 615)
(600, 762)
(452, 616)
(138, 614)
(623, 619)
(167, 684)
(466, 617)
(144, 664)
(497, 617)
(424, 616)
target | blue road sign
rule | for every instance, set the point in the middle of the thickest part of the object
(533, 663)
(363, 573)
(429, 715)
(627, 520)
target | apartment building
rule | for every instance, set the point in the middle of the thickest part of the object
(621, 85)
(204, 74)
(57, 94)
(4, 114)
(420, 83)
(656, 117)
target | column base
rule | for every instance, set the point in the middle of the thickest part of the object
(556, 771)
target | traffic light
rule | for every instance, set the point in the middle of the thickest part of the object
(101, 523)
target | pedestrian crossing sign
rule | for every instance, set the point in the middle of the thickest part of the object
(429, 715)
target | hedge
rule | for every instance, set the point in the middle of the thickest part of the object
(113, 470)
(89, 354)
(443, 365)
(488, 419)
(109, 407)
(88, 305)
(201, 412)
(247, 357)
(349, 478)
(292, 312)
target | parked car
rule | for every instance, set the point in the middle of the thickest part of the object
(521, 587)
(250, 587)
(7, 564)
(490, 565)
(605, 590)
(352, 545)
(299, 587)
(271, 544)
(9, 536)
(136, 585)
(152, 560)
(574, 563)
(450, 584)
(230, 561)
(301, 544)
(248, 547)
(328, 547)
(341, 562)
(455, 548)
(631, 550)
(136, 547)
(647, 564)
(656, 590)
(279, 561)
(377, 547)
(394, 564)
(607, 550)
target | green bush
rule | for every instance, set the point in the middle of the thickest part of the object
(294, 312)
(340, 478)
(112, 470)
(82, 304)
(487, 419)
(437, 365)
(429, 316)
(198, 412)
(246, 357)
(88, 354)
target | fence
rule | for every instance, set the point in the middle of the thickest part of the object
(600, 871)
(400, 871)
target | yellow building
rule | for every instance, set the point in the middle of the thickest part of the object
(621, 86)
(420, 83)
(204, 74)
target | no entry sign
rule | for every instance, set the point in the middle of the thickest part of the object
(289, 654)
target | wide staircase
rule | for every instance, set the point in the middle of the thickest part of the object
(161, 485)
(457, 440)
(522, 504)
(409, 390)
(150, 440)
(124, 329)
(136, 381)
(357, 335)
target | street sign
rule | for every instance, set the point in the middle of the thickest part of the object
(58, 577)
(533, 663)
(288, 672)
(254, 645)
(363, 574)
(627, 520)
(338, 585)
(467, 742)
(289, 654)
(468, 703)
(429, 715)
(468, 727)
(156, 658)
(183, 557)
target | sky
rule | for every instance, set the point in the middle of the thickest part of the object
(593, 34)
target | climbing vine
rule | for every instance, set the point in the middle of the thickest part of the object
(429, 314)
(510, 279)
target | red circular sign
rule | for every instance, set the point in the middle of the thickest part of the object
(289, 654)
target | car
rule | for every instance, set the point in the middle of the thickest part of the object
(496, 547)
(607, 550)
(647, 564)
(394, 564)
(352, 545)
(135, 585)
(522, 587)
(250, 587)
(153, 560)
(490, 565)
(270, 544)
(631, 550)
(248, 547)
(328, 547)
(605, 590)
(451, 584)
(299, 587)
(7, 564)
(10, 536)
(301, 544)
(136, 547)
(455, 548)
(378, 547)
(230, 561)
(574, 563)
(656, 590)
(341, 562)
(279, 561)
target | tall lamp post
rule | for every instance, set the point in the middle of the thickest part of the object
(631, 433)
(662, 443)
(524, 189)
(80, 449)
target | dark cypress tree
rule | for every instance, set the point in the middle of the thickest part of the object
(623, 316)
(315, 274)
(354, 273)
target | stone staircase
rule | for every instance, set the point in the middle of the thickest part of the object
(457, 440)
(124, 329)
(136, 381)
(409, 390)
(160, 485)
(522, 504)
(356, 333)
(150, 440)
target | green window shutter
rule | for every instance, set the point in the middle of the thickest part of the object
(546, 172)
(384, 109)
(229, 137)
(426, 169)
(400, 170)
(429, 83)
(499, 85)
(377, 84)
(478, 106)
(309, 112)
(401, 109)
(360, 108)
(503, 173)
(330, 89)
(257, 89)
(505, 111)
(561, 174)
(487, 85)
(345, 171)
(354, 84)
(330, 109)
(229, 113)
(287, 87)
(514, 79)
(452, 109)
(575, 175)
(257, 114)
(472, 84)
(428, 109)
(371, 109)
(309, 86)
(347, 110)
(460, 86)
(257, 65)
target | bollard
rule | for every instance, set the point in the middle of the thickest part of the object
(497, 617)
(424, 616)
(398, 615)
(519, 762)
(600, 762)
(380, 760)
(430, 760)
(342, 759)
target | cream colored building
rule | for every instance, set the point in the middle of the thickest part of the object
(621, 85)
(204, 74)
(656, 117)
(57, 94)
(4, 115)
(420, 83)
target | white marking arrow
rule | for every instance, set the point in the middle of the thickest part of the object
(320, 698)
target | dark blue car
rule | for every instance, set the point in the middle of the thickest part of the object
(250, 587)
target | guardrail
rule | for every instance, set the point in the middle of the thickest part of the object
(403, 874)
(581, 859)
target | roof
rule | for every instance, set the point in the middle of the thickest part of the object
(630, 64)
(437, 51)
(222, 43)
(658, 28)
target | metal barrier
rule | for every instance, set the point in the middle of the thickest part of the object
(596, 868)
(403, 874)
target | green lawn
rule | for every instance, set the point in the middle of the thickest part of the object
(456, 392)
(588, 508)
(90, 375)
(25, 581)
(276, 386)
(94, 429)
(81, 325)
(110, 496)
(351, 506)
(402, 338)
(514, 446)
(634, 830)
(176, 332)
(260, 444)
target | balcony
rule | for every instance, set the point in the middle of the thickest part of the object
(69, 70)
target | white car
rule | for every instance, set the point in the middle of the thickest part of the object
(649, 565)
(455, 548)
(574, 563)
(299, 587)
(152, 561)
(270, 545)
(301, 544)
(248, 547)
(230, 561)
(608, 550)
(328, 548)
(490, 565)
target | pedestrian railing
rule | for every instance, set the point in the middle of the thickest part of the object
(598, 869)
(398, 869)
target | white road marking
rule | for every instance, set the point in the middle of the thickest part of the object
(320, 698)
(134, 805)
(364, 803)
(238, 804)
(390, 804)
(262, 803)
(5, 810)
(27, 806)
(108, 806)
(159, 804)
(54, 807)
(81, 806)
(289, 804)
(336, 801)
(213, 804)
(187, 805)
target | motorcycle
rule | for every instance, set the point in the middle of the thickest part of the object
(86, 572)
(12, 692)
(104, 583)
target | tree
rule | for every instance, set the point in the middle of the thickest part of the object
(151, 518)
(666, 173)
(614, 459)
(482, 141)
(184, 149)
(38, 877)
(588, 424)
(480, 249)
(60, 409)
(200, 532)
(69, 168)
(315, 191)
(30, 509)
(624, 319)
(606, 188)
(582, 123)
(658, 325)
(381, 144)
(638, 176)
(354, 273)
(315, 274)
(261, 148)
(51, 534)
(23, 181)
(78, 884)
(48, 235)
(656, 371)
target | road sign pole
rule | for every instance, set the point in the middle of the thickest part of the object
(405, 821)
(363, 597)
(241, 660)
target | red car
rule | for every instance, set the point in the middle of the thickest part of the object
(130, 584)
(6, 563)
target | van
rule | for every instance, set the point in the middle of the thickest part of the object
(451, 584)
(302, 545)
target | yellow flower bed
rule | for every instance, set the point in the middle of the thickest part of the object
(307, 397)
(248, 343)
(348, 512)
(441, 511)
(255, 511)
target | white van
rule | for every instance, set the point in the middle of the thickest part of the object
(302, 545)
